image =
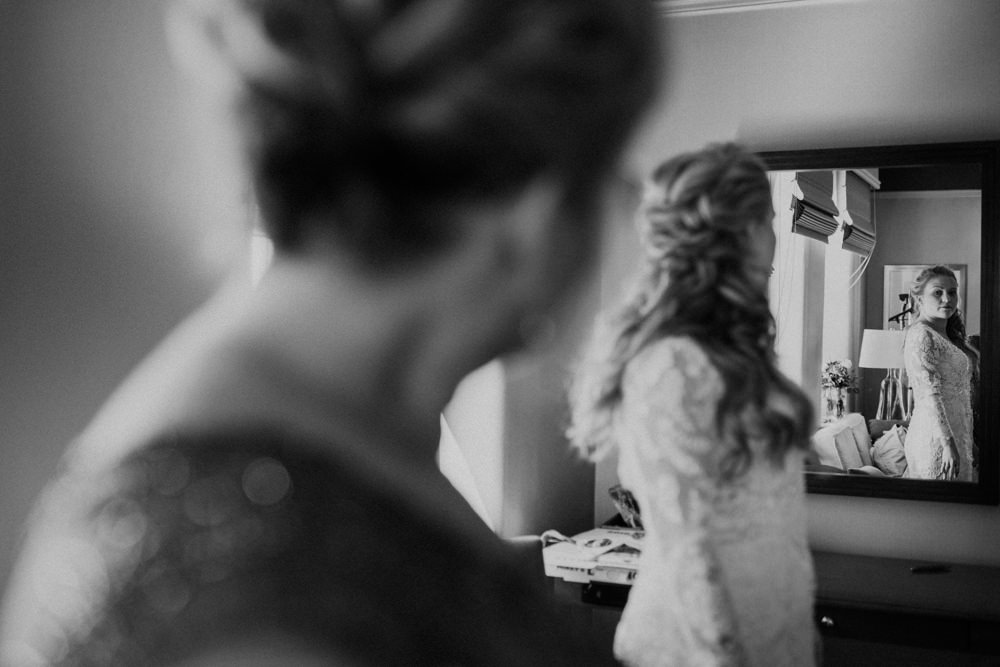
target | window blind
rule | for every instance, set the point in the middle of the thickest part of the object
(859, 237)
(814, 214)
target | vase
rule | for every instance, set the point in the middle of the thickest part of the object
(835, 403)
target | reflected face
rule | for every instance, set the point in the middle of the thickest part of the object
(760, 260)
(939, 300)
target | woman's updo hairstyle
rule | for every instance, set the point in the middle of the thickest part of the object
(366, 117)
(697, 221)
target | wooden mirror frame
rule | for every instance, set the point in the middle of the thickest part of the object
(986, 154)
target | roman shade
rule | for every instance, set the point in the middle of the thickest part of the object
(859, 235)
(814, 214)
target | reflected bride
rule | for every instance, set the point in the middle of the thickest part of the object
(940, 366)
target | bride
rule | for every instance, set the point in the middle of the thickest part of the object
(711, 436)
(940, 366)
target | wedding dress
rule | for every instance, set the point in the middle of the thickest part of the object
(940, 376)
(725, 576)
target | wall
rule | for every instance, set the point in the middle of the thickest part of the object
(507, 420)
(112, 223)
(837, 74)
(827, 73)
(475, 419)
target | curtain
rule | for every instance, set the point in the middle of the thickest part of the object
(859, 236)
(814, 214)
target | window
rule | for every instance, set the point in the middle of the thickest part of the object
(815, 294)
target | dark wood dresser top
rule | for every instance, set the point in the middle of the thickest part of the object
(914, 586)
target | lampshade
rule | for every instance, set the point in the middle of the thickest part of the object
(881, 348)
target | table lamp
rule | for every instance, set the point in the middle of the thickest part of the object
(883, 348)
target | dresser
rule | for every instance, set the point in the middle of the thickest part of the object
(892, 611)
(869, 610)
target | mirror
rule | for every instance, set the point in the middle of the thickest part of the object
(837, 288)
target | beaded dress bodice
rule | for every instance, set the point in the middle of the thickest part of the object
(209, 539)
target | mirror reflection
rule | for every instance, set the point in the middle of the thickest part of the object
(876, 292)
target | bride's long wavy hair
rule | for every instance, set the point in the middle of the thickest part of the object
(696, 222)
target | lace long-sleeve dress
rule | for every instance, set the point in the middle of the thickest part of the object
(941, 378)
(726, 577)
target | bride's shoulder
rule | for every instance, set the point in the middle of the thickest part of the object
(920, 335)
(679, 357)
(675, 349)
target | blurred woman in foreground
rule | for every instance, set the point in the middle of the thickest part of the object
(263, 489)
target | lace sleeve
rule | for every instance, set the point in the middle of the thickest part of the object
(670, 401)
(923, 358)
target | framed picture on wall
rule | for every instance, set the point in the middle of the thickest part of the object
(896, 285)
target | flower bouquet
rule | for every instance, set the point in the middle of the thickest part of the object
(839, 380)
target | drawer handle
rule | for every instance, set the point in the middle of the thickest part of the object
(826, 622)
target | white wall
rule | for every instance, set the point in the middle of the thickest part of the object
(835, 74)
(112, 226)
(828, 73)
(475, 417)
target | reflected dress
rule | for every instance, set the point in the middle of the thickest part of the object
(940, 375)
(725, 577)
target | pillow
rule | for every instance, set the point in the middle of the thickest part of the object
(888, 454)
(856, 422)
(825, 449)
(878, 427)
(847, 449)
(839, 444)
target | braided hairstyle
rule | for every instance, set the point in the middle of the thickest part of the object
(368, 118)
(697, 223)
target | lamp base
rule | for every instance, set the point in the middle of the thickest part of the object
(890, 398)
